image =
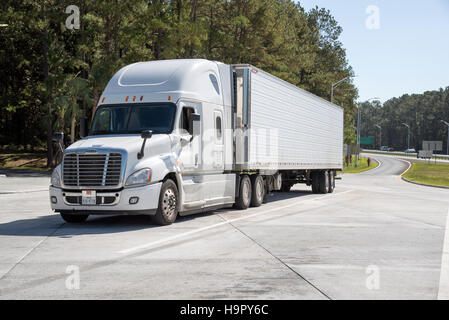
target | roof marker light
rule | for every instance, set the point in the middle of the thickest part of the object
(169, 98)
(102, 100)
(134, 98)
(141, 98)
(127, 98)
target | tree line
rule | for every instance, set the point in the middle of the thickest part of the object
(50, 75)
(422, 112)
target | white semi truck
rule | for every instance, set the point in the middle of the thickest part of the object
(184, 136)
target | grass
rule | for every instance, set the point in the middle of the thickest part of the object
(23, 161)
(362, 165)
(436, 174)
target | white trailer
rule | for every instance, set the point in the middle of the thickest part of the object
(184, 136)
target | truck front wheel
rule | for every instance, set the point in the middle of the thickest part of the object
(73, 218)
(167, 210)
(243, 201)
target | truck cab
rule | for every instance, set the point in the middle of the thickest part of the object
(156, 126)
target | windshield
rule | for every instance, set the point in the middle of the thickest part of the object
(134, 118)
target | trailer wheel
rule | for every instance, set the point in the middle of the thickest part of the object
(331, 187)
(73, 218)
(258, 188)
(323, 184)
(315, 182)
(243, 201)
(167, 210)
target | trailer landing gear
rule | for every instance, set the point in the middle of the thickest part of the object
(286, 186)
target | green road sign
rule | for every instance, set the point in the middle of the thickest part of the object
(367, 140)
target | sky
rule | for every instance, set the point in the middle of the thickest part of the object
(403, 49)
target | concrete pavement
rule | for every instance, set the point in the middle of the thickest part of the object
(376, 237)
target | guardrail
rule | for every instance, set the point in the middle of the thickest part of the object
(405, 154)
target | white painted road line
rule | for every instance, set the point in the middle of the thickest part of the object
(443, 289)
(371, 170)
(168, 239)
(380, 165)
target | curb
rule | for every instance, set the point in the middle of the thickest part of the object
(423, 184)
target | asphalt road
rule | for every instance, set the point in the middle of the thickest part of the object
(376, 237)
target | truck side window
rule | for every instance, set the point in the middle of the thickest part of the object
(184, 123)
(218, 130)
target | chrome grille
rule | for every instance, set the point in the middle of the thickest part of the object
(91, 170)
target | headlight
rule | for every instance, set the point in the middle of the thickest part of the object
(55, 179)
(139, 177)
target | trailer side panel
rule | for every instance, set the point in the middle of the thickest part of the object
(291, 128)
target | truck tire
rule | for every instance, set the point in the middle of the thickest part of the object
(258, 190)
(323, 182)
(265, 198)
(167, 210)
(331, 187)
(315, 182)
(243, 201)
(73, 218)
(277, 182)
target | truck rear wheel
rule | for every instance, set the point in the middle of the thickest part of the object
(243, 201)
(167, 210)
(73, 218)
(258, 188)
(323, 182)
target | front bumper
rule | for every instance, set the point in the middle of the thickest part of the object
(147, 204)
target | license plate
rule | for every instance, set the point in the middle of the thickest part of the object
(89, 197)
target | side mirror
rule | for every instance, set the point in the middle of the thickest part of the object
(83, 127)
(194, 124)
(59, 138)
(146, 134)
